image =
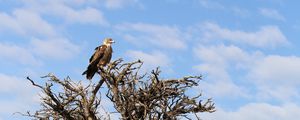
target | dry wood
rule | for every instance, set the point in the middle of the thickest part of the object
(135, 96)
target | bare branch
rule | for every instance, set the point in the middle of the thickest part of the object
(134, 95)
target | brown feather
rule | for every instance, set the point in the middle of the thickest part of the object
(101, 57)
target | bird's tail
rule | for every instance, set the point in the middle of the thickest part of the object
(90, 72)
(84, 72)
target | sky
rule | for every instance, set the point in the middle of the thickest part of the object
(247, 51)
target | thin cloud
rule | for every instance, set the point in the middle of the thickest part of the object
(271, 13)
(84, 16)
(266, 36)
(153, 59)
(277, 77)
(25, 22)
(17, 54)
(223, 56)
(271, 77)
(211, 4)
(9, 23)
(31, 54)
(257, 111)
(216, 62)
(17, 95)
(117, 4)
(59, 48)
(159, 35)
(70, 14)
(241, 12)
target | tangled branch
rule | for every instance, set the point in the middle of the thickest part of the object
(149, 97)
(135, 96)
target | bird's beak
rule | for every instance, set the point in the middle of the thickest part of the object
(112, 41)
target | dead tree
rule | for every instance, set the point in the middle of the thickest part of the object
(74, 102)
(135, 96)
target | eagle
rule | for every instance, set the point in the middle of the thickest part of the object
(100, 58)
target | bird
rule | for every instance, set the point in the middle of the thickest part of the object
(100, 58)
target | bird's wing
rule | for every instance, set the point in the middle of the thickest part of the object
(99, 52)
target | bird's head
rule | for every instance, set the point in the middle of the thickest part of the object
(108, 41)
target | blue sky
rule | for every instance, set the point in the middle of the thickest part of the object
(247, 51)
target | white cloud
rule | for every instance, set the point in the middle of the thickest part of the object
(86, 16)
(216, 62)
(222, 88)
(257, 111)
(277, 77)
(211, 4)
(151, 60)
(242, 12)
(278, 68)
(223, 56)
(14, 53)
(10, 83)
(68, 12)
(158, 35)
(17, 95)
(81, 2)
(271, 13)
(271, 77)
(7, 22)
(114, 4)
(59, 48)
(30, 54)
(33, 23)
(26, 22)
(266, 36)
